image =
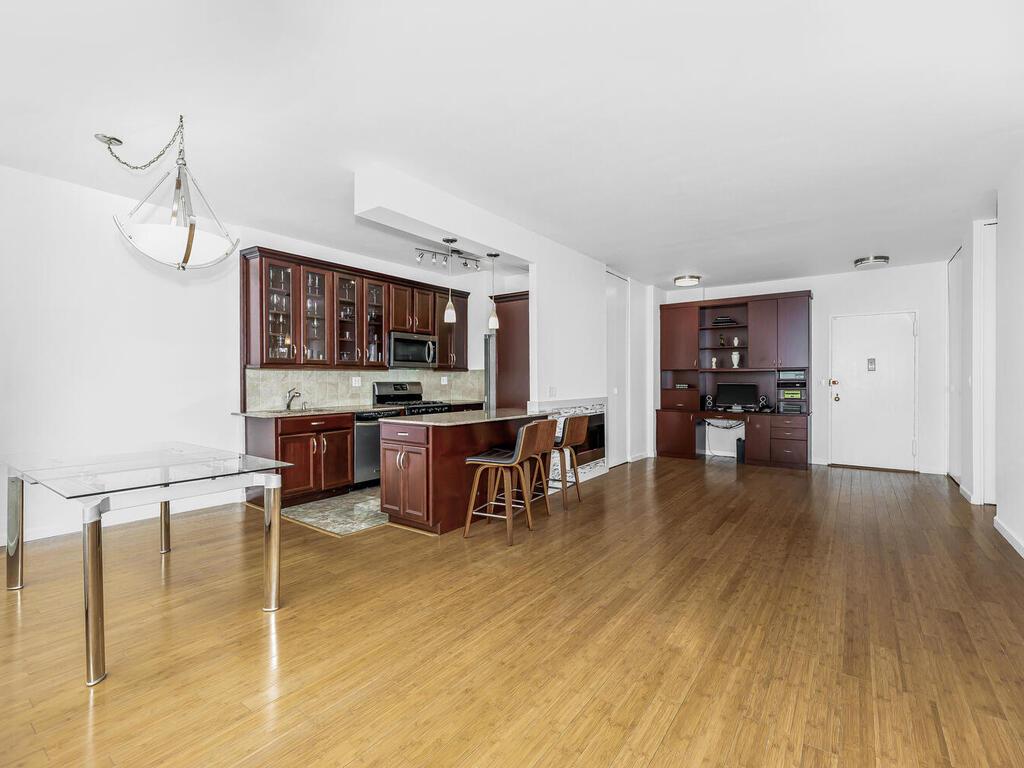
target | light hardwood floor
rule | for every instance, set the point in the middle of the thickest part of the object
(686, 614)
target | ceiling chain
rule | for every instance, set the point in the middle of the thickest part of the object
(179, 134)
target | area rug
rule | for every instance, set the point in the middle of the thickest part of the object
(341, 515)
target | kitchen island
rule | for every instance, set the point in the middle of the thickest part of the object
(424, 478)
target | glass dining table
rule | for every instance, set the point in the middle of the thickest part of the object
(157, 475)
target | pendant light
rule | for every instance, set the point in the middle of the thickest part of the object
(179, 243)
(492, 321)
(449, 310)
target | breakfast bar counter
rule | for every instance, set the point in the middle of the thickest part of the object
(424, 478)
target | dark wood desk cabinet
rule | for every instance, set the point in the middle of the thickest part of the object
(699, 342)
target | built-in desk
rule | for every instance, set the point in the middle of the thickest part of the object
(772, 439)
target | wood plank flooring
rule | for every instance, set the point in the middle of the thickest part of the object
(686, 614)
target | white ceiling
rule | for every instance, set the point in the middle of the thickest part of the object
(745, 141)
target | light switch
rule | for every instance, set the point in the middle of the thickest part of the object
(871, 363)
(357, 381)
(444, 380)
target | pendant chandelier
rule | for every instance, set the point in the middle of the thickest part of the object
(492, 321)
(179, 243)
(449, 310)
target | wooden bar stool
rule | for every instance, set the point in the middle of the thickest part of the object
(502, 466)
(574, 433)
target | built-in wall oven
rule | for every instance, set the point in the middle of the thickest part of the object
(412, 350)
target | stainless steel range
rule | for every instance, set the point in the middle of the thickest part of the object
(390, 398)
(408, 395)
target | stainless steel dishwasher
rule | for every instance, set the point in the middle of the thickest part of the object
(367, 443)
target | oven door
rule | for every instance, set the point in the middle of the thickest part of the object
(413, 350)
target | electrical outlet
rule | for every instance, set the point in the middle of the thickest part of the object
(444, 381)
(357, 381)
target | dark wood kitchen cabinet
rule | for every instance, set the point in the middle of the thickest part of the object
(679, 337)
(423, 312)
(337, 468)
(315, 309)
(404, 481)
(275, 334)
(400, 312)
(763, 333)
(320, 448)
(452, 338)
(374, 324)
(301, 312)
(297, 450)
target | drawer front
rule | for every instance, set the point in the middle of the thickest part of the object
(789, 451)
(785, 433)
(788, 420)
(404, 433)
(294, 425)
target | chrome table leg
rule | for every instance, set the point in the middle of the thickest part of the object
(272, 546)
(15, 533)
(165, 527)
(92, 563)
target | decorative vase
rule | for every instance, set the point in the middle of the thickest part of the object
(735, 341)
(714, 362)
(735, 359)
(721, 340)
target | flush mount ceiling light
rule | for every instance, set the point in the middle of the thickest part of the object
(492, 321)
(877, 260)
(687, 281)
(180, 243)
(449, 310)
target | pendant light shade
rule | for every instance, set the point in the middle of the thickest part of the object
(179, 243)
(492, 321)
(449, 310)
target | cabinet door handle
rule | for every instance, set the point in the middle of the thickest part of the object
(398, 461)
(317, 423)
(358, 353)
(402, 434)
(404, 453)
(323, 445)
(293, 350)
(313, 440)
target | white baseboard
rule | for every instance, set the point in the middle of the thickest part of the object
(1011, 537)
(639, 456)
(967, 494)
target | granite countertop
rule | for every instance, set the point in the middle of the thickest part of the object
(328, 409)
(465, 417)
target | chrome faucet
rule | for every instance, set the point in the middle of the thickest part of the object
(292, 394)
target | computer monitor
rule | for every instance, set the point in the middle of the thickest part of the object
(743, 395)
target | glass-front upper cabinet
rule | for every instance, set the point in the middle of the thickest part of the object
(374, 326)
(346, 301)
(279, 300)
(316, 328)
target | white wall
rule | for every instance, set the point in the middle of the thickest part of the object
(105, 351)
(921, 288)
(567, 356)
(1009, 362)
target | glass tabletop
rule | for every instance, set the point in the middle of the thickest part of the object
(158, 465)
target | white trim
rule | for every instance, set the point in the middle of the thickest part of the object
(966, 494)
(1007, 534)
(831, 347)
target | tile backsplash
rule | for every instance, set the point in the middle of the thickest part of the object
(267, 389)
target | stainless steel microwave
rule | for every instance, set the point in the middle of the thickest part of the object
(412, 350)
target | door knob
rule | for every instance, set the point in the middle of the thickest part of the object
(836, 398)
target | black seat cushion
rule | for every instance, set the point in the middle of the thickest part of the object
(493, 456)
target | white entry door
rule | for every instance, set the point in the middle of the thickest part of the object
(616, 419)
(873, 391)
